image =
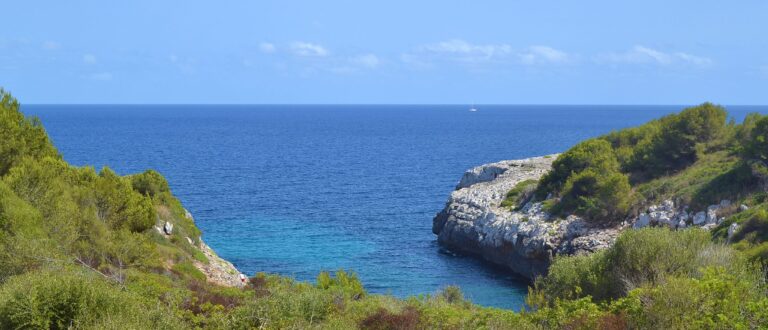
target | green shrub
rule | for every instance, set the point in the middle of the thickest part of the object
(595, 154)
(519, 194)
(188, 270)
(717, 300)
(639, 258)
(598, 196)
(149, 183)
(348, 283)
(673, 145)
(21, 137)
(64, 299)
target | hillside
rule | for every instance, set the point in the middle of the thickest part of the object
(88, 249)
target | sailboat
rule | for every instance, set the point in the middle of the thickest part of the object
(472, 109)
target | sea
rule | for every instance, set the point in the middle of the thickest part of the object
(299, 189)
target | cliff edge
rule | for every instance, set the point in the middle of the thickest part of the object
(525, 241)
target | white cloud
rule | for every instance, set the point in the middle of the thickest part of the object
(51, 45)
(89, 59)
(543, 54)
(101, 76)
(465, 51)
(308, 49)
(641, 54)
(460, 50)
(370, 61)
(267, 48)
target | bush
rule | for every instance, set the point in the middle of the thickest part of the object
(717, 300)
(595, 154)
(120, 206)
(601, 197)
(519, 194)
(383, 319)
(348, 283)
(673, 145)
(639, 258)
(63, 300)
(21, 137)
(149, 183)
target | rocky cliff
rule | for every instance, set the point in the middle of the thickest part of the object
(526, 241)
(217, 270)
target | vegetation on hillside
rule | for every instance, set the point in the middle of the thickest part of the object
(694, 156)
(79, 248)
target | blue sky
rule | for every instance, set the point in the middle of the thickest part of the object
(513, 52)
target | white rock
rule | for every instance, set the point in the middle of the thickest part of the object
(712, 216)
(700, 218)
(668, 205)
(168, 228)
(743, 208)
(732, 230)
(642, 221)
(709, 226)
(681, 224)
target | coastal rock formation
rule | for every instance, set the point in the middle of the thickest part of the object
(218, 271)
(525, 241)
(677, 217)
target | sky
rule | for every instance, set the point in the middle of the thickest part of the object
(385, 52)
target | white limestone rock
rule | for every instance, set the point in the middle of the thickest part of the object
(168, 228)
(642, 221)
(524, 241)
(700, 218)
(732, 230)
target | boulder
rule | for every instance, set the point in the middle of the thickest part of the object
(642, 221)
(700, 218)
(732, 230)
(712, 214)
(168, 228)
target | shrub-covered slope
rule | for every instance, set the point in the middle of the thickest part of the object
(87, 249)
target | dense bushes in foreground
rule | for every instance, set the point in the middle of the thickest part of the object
(79, 250)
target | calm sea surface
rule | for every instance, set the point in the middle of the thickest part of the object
(295, 190)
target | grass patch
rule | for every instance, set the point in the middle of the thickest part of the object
(520, 194)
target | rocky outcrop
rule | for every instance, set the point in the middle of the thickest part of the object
(678, 216)
(525, 241)
(217, 270)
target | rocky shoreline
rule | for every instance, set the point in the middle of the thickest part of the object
(526, 241)
(217, 270)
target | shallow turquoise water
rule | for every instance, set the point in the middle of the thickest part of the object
(299, 189)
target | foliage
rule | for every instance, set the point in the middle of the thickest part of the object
(63, 299)
(639, 258)
(519, 194)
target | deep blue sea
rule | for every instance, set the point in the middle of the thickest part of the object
(295, 190)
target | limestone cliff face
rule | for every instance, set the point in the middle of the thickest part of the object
(217, 270)
(524, 241)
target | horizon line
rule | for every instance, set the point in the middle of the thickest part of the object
(382, 104)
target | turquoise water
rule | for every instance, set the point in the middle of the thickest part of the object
(299, 189)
